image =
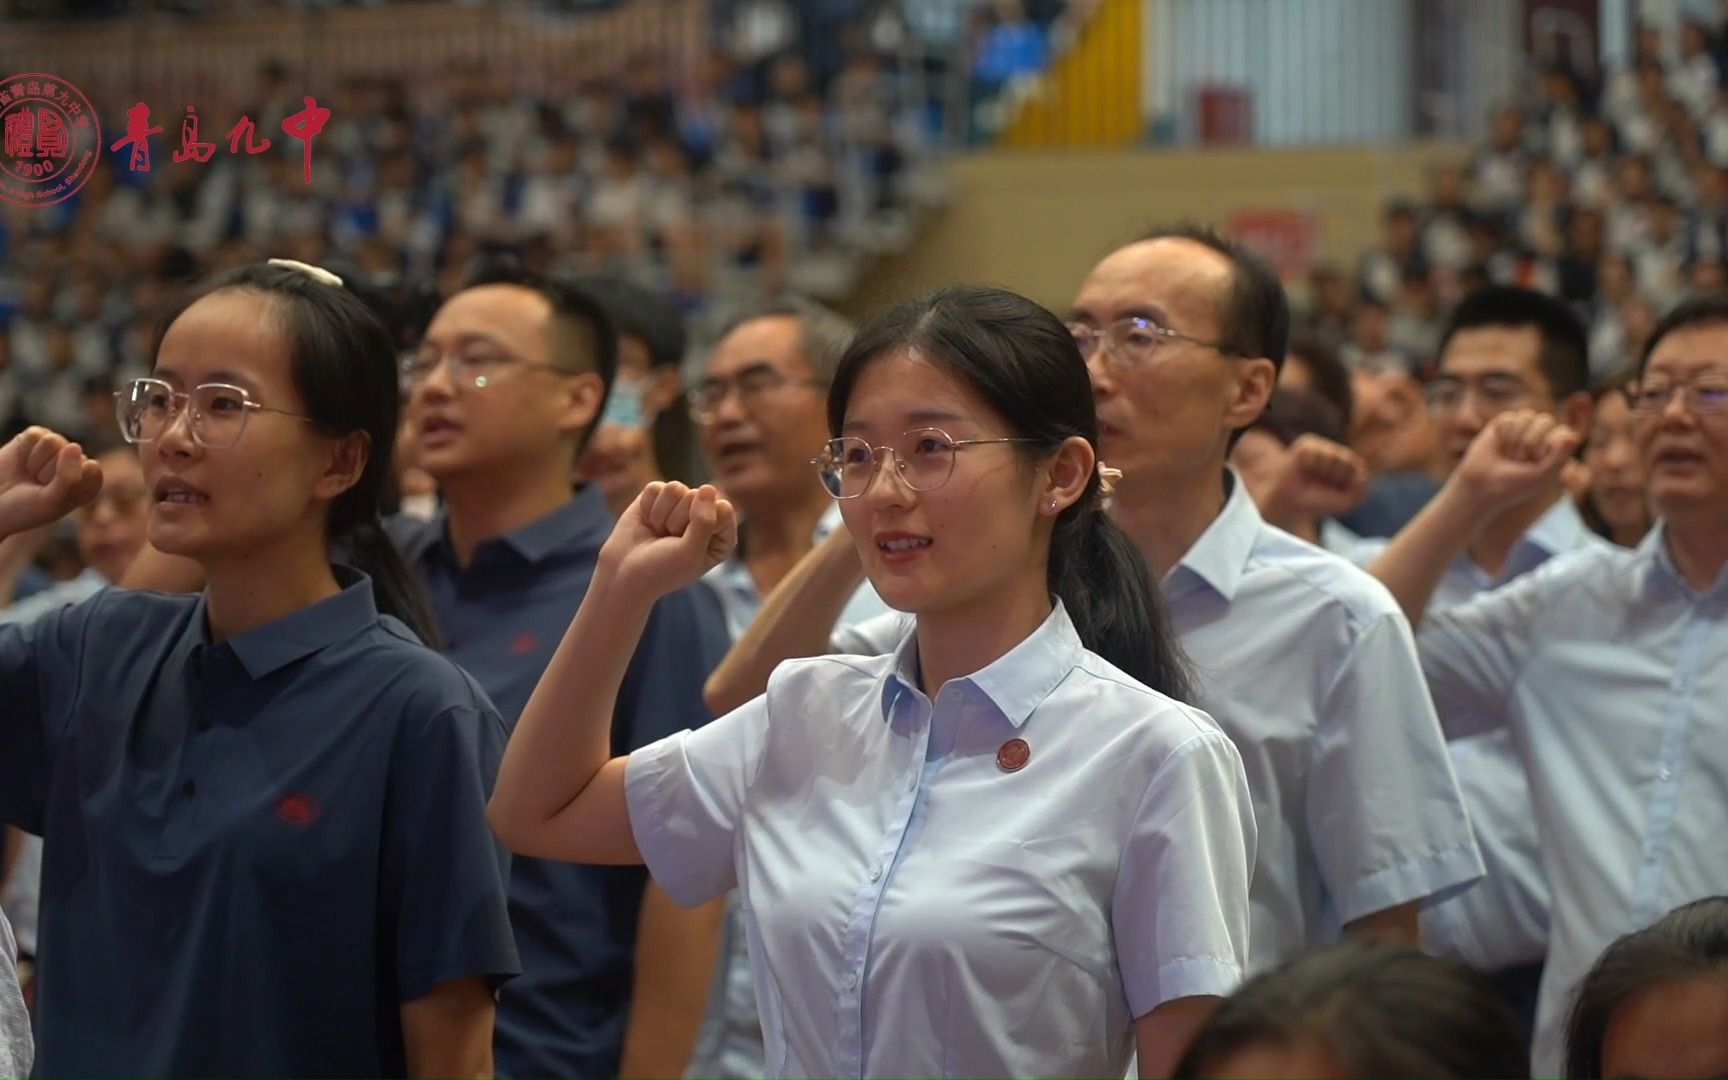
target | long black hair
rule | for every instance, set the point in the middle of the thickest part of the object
(1025, 364)
(1379, 1008)
(343, 363)
(1688, 942)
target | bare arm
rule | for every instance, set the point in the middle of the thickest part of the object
(1162, 1036)
(17, 552)
(796, 620)
(449, 1031)
(675, 954)
(1516, 457)
(152, 569)
(1399, 925)
(560, 793)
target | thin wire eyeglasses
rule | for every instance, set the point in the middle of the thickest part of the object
(1707, 394)
(923, 457)
(148, 409)
(1133, 341)
(472, 367)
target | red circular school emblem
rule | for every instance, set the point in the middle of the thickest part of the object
(50, 140)
(297, 809)
(1013, 756)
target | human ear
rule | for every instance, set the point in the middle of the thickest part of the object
(1066, 474)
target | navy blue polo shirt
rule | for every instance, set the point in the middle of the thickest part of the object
(255, 851)
(501, 617)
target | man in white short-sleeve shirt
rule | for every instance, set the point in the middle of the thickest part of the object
(1608, 666)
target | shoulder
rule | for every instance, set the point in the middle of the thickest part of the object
(1286, 570)
(1106, 695)
(832, 677)
(419, 680)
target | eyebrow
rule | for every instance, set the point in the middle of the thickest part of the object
(1139, 311)
(167, 374)
(749, 369)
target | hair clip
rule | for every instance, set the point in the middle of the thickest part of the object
(316, 273)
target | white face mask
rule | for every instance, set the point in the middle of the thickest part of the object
(420, 507)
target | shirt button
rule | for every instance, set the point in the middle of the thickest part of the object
(851, 980)
(1664, 774)
(876, 873)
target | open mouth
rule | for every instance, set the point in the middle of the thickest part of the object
(171, 492)
(438, 429)
(1679, 458)
(901, 547)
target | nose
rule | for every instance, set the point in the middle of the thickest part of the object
(887, 487)
(729, 410)
(1103, 380)
(436, 384)
(177, 439)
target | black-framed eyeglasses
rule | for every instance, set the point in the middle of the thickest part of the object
(1494, 393)
(148, 408)
(476, 366)
(1133, 341)
(924, 458)
(1706, 394)
(751, 385)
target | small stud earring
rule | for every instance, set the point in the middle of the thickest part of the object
(1052, 504)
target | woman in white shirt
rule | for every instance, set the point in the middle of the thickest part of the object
(1004, 849)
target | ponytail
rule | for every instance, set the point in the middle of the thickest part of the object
(1116, 607)
(395, 587)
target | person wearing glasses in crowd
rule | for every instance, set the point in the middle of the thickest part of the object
(759, 409)
(504, 392)
(1608, 665)
(1300, 656)
(227, 888)
(1004, 848)
(111, 530)
(1504, 348)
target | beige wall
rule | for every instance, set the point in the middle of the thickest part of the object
(1037, 221)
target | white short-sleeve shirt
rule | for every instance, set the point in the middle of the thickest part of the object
(913, 907)
(1309, 665)
(1612, 674)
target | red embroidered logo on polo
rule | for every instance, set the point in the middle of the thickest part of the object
(297, 809)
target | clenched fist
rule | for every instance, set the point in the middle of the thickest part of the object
(1317, 479)
(670, 536)
(42, 479)
(1516, 457)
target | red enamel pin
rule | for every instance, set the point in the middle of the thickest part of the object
(1013, 756)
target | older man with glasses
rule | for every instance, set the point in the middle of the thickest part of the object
(1607, 666)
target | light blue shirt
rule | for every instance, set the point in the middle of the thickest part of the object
(1309, 665)
(913, 908)
(741, 600)
(1502, 920)
(1611, 672)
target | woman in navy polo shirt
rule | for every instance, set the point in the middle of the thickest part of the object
(1003, 850)
(262, 805)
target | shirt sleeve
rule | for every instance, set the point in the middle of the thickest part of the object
(444, 875)
(683, 643)
(1180, 910)
(16, 1051)
(686, 799)
(876, 636)
(1383, 810)
(38, 680)
(1474, 653)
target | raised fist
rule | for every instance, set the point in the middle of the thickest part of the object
(42, 479)
(1517, 456)
(670, 536)
(1317, 479)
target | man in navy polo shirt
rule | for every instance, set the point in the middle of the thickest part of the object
(503, 392)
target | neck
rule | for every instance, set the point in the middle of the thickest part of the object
(954, 644)
(1698, 544)
(486, 506)
(1493, 546)
(260, 587)
(784, 526)
(1165, 520)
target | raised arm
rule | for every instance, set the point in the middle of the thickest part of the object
(796, 620)
(560, 794)
(1514, 458)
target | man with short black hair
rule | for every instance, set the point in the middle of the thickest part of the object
(1609, 666)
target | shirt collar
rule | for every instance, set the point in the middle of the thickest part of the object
(583, 521)
(266, 649)
(1220, 557)
(1653, 551)
(1017, 682)
(1560, 530)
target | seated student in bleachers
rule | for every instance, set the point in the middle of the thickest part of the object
(1364, 1009)
(1299, 473)
(1001, 849)
(283, 870)
(1608, 665)
(1656, 1002)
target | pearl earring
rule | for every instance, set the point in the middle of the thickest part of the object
(1052, 504)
